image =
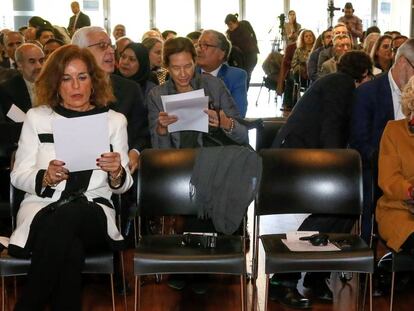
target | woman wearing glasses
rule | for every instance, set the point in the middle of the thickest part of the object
(179, 57)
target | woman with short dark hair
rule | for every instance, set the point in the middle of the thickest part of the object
(179, 57)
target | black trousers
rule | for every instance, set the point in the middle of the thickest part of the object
(59, 239)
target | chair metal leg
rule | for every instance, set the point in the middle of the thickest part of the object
(370, 292)
(124, 281)
(243, 292)
(112, 291)
(3, 296)
(266, 291)
(392, 290)
(137, 295)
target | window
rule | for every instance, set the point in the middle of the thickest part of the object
(175, 15)
(266, 26)
(213, 13)
(136, 23)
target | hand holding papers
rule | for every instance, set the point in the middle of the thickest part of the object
(189, 108)
(80, 141)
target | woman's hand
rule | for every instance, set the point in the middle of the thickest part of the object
(213, 118)
(110, 162)
(55, 173)
(164, 119)
(220, 120)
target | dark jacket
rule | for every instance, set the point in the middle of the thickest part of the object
(14, 91)
(130, 102)
(83, 20)
(373, 108)
(321, 117)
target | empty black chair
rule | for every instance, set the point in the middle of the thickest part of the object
(102, 263)
(267, 133)
(164, 190)
(316, 182)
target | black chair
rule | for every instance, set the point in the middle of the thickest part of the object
(268, 131)
(316, 182)
(164, 190)
(101, 263)
(9, 136)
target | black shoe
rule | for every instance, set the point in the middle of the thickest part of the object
(177, 282)
(320, 288)
(289, 297)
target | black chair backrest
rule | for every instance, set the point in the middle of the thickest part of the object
(267, 133)
(9, 136)
(164, 182)
(317, 181)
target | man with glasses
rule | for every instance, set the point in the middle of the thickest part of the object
(129, 98)
(341, 45)
(213, 50)
(338, 29)
(376, 102)
(396, 43)
(17, 94)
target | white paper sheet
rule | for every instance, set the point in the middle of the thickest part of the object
(295, 235)
(16, 114)
(189, 108)
(4, 241)
(80, 141)
(306, 246)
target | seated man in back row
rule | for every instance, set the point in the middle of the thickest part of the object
(213, 50)
(321, 119)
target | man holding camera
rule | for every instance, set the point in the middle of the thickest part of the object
(352, 22)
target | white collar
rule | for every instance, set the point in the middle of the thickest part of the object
(214, 72)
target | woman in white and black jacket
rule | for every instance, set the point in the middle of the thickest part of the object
(66, 214)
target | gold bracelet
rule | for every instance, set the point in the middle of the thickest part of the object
(116, 181)
(46, 181)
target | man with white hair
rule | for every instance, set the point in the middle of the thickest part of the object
(129, 98)
(17, 94)
(12, 40)
(377, 102)
(213, 50)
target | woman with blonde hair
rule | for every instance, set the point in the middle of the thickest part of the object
(396, 178)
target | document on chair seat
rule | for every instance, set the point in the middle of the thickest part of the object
(189, 109)
(80, 141)
(306, 246)
(293, 243)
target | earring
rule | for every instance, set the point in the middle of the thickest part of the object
(92, 91)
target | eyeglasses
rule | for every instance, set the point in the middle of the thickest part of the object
(394, 49)
(205, 46)
(101, 45)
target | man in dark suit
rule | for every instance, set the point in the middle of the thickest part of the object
(376, 103)
(320, 119)
(213, 50)
(129, 98)
(17, 94)
(78, 20)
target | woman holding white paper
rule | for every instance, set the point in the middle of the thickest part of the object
(179, 57)
(66, 214)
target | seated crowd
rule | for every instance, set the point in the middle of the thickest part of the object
(344, 87)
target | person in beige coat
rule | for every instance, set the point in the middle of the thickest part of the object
(395, 208)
